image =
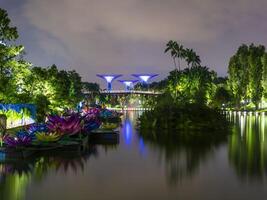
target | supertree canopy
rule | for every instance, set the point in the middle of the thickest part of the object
(145, 77)
(109, 78)
(128, 84)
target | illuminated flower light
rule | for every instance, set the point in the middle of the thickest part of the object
(47, 137)
(91, 119)
(18, 140)
(37, 128)
(70, 125)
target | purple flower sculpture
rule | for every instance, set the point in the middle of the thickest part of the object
(70, 125)
(17, 140)
(37, 128)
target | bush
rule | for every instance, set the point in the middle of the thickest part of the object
(182, 118)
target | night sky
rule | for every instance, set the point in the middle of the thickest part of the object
(129, 36)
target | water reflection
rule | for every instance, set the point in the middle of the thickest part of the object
(195, 161)
(182, 154)
(17, 174)
(247, 145)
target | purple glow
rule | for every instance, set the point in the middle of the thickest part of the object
(109, 78)
(145, 77)
(128, 83)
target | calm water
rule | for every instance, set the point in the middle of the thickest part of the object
(231, 167)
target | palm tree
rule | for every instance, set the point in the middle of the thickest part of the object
(192, 58)
(180, 54)
(177, 52)
(170, 46)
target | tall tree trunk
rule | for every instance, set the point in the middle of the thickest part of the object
(175, 65)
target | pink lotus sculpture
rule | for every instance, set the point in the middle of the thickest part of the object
(70, 125)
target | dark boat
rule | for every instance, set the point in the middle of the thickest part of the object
(104, 136)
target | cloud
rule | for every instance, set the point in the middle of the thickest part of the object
(129, 35)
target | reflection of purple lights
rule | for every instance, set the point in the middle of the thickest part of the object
(145, 77)
(128, 131)
(142, 146)
(109, 78)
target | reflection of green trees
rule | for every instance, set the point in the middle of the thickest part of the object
(16, 175)
(13, 186)
(183, 153)
(248, 147)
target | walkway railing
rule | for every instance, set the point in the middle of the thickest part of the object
(130, 92)
(130, 109)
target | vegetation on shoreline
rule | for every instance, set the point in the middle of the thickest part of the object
(190, 101)
(169, 117)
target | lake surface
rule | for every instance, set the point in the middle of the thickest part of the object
(231, 167)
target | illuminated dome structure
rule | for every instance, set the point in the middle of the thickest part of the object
(109, 78)
(128, 84)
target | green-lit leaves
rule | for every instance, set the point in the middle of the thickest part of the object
(7, 32)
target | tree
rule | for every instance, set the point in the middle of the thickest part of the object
(264, 75)
(192, 86)
(192, 58)
(13, 69)
(61, 88)
(255, 73)
(177, 52)
(7, 32)
(247, 74)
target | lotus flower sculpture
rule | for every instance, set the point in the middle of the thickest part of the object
(22, 133)
(47, 137)
(37, 128)
(109, 126)
(17, 140)
(91, 119)
(109, 116)
(70, 125)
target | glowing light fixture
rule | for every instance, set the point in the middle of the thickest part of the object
(1, 42)
(128, 84)
(109, 78)
(145, 77)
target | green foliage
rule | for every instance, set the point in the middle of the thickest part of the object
(91, 87)
(222, 96)
(192, 85)
(178, 52)
(14, 116)
(7, 32)
(168, 116)
(247, 74)
(61, 88)
(42, 107)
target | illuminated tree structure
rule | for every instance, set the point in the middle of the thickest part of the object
(128, 84)
(109, 79)
(145, 77)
